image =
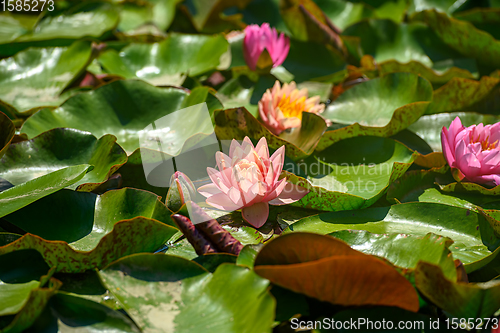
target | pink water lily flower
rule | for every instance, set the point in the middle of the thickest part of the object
(248, 179)
(473, 151)
(257, 39)
(281, 107)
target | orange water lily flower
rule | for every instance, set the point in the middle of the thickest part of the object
(281, 107)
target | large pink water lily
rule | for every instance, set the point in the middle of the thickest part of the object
(248, 179)
(257, 39)
(473, 151)
(281, 107)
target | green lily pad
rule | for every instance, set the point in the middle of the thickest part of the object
(59, 148)
(241, 91)
(405, 88)
(309, 61)
(447, 6)
(7, 131)
(429, 127)
(262, 11)
(341, 178)
(211, 261)
(170, 61)
(417, 219)
(127, 110)
(344, 13)
(298, 144)
(436, 77)
(35, 78)
(386, 40)
(133, 174)
(472, 188)
(70, 313)
(462, 36)
(13, 26)
(378, 107)
(403, 250)
(247, 255)
(461, 94)
(460, 300)
(458, 199)
(133, 15)
(232, 299)
(485, 19)
(26, 193)
(485, 269)
(206, 15)
(25, 301)
(94, 215)
(86, 20)
(121, 241)
(416, 143)
(307, 22)
(104, 228)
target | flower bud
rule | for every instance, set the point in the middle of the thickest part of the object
(181, 190)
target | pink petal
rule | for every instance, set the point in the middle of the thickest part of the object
(262, 149)
(218, 179)
(232, 148)
(223, 161)
(491, 180)
(276, 190)
(208, 190)
(492, 159)
(222, 201)
(270, 179)
(290, 194)
(277, 161)
(469, 165)
(255, 194)
(256, 214)
(235, 196)
(447, 152)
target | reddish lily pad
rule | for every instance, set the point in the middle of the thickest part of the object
(328, 269)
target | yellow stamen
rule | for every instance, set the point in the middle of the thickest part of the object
(292, 109)
(485, 144)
